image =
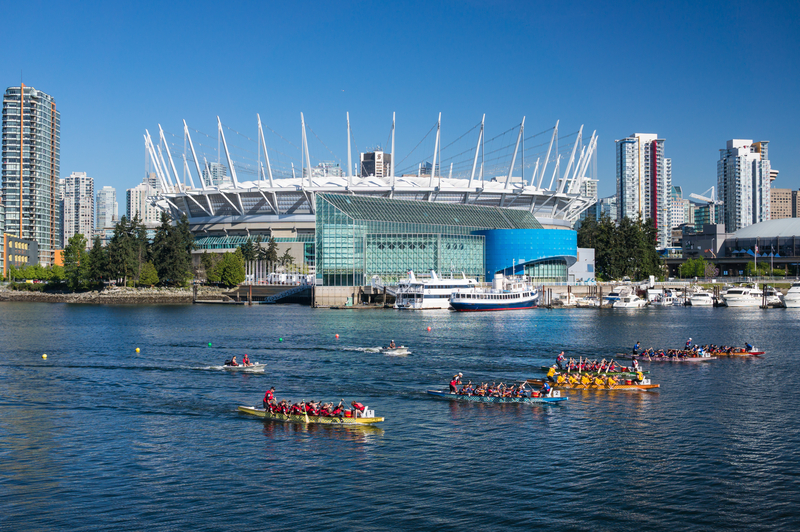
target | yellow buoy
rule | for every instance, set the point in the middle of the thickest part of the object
(137, 349)
(44, 356)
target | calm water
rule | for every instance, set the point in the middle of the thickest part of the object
(99, 437)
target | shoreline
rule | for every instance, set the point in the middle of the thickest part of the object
(119, 296)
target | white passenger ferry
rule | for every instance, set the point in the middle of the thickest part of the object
(433, 293)
(506, 294)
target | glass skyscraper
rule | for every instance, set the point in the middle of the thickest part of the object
(31, 157)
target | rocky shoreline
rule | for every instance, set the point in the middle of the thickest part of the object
(118, 296)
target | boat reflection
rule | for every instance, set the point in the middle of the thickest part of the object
(353, 433)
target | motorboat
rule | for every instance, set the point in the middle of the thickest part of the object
(664, 300)
(567, 299)
(792, 297)
(616, 294)
(507, 293)
(433, 293)
(773, 297)
(395, 351)
(588, 302)
(742, 296)
(630, 301)
(702, 298)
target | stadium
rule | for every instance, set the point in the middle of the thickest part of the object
(497, 184)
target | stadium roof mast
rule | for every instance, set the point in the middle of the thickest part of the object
(516, 149)
(349, 155)
(169, 156)
(227, 153)
(563, 180)
(547, 157)
(391, 162)
(477, 151)
(305, 149)
(435, 150)
(194, 157)
(266, 155)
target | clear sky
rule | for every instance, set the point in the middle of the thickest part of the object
(695, 73)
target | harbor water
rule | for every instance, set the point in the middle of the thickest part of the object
(100, 437)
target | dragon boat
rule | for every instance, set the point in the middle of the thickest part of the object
(739, 353)
(554, 397)
(645, 358)
(598, 372)
(368, 419)
(646, 385)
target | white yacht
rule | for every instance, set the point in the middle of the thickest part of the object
(507, 293)
(631, 301)
(702, 298)
(617, 293)
(433, 293)
(742, 296)
(792, 297)
(773, 297)
(565, 300)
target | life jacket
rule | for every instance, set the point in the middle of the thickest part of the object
(358, 406)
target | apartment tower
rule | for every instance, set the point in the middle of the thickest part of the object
(30, 174)
(644, 183)
(79, 207)
(743, 183)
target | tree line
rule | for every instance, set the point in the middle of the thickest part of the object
(624, 249)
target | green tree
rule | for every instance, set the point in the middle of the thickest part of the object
(272, 250)
(76, 262)
(141, 247)
(231, 269)
(249, 251)
(209, 262)
(98, 261)
(287, 258)
(57, 273)
(121, 258)
(171, 253)
(149, 275)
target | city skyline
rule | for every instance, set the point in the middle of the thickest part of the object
(561, 62)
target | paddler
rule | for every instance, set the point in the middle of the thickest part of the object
(551, 375)
(269, 397)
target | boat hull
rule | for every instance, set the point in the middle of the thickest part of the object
(536, 382)
(291, 418)
(488, 306)
(641, 358)
(484, 399)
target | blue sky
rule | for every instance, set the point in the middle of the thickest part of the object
(697, 74)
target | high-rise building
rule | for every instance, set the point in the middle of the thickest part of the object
(743, 180)
(644, 182)
(782, 203)
(215, 174)
(79, 207)
(376, 163)
(136, 199)
(325, 169)
(107, 208)
(31, 158)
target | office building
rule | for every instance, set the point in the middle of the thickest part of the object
(782, 203)
(30, 170)
(743, 181)
(137, 202)
(78, 207)
(644, 182)
(325, 169)
(107, 208)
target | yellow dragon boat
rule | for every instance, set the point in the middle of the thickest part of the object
(621, 385)
(303, 418)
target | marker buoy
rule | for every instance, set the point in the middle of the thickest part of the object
(429, 329)
(337, 336)
(280, 339)
(209, 344)
(137, 349)
(44, 356)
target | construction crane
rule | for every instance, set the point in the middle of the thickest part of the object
(710, 199)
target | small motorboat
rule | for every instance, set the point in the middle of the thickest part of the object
(395, 351)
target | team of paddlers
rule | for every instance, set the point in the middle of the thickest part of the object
(310, 408)
(495, 390)
(599, 380)
(587, 365)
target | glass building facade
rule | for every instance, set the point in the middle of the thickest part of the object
(361, 236)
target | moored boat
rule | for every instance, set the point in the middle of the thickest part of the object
(427, 294)
(368, 419)
(622, 385)
(554, 397)
(507, 293)
(792, 297)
